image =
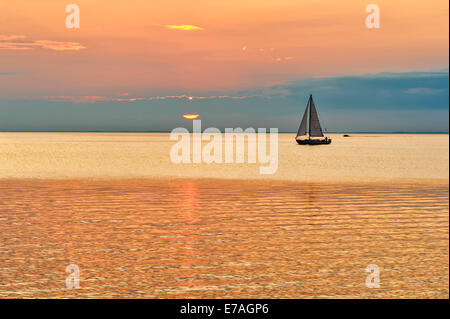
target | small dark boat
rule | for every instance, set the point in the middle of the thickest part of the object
(314, 128)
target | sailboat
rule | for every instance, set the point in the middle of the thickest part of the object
(314, 128)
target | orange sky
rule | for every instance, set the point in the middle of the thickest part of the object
(128, 46)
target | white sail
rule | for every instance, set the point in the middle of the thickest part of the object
(302, 129)
(315, 130)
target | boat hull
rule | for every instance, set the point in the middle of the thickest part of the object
(313, 142)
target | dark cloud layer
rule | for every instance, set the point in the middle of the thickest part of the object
(386, 102)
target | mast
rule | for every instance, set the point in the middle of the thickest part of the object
(302, 129)
(309, 129)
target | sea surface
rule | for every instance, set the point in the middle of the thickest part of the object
(184, 238)
(360, 157)
(138, 225)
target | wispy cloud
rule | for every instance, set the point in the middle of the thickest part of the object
(425, 91)
(281, 59)
(17, 42)
(59, 45)
(11, 37)
(15, 46)
(183, 27)
(125, 98)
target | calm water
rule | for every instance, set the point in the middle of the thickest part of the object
(210, 238)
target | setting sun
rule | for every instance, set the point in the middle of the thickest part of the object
(190, 116)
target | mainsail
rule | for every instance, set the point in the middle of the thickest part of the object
(310, 126)
(302, 128)
(314, 125)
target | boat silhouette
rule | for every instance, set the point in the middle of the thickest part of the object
(310, 127)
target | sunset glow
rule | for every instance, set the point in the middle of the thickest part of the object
(220, 59)
(177, 46)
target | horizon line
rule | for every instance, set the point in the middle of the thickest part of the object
(282, 132)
